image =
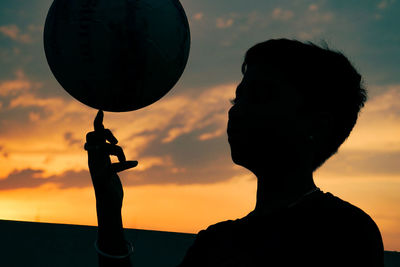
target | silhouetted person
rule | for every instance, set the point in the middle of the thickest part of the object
(297, 103)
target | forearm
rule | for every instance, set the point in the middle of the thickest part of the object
(111, 239)
(111, 244)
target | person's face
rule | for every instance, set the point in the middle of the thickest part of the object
(265, 126)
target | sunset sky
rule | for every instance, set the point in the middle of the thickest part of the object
(186, 180)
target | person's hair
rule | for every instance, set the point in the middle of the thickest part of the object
(326, 79)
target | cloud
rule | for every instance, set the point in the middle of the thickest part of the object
(313, 7)
(385, 4)
(158, 137)
(309, 34)
(175, 116)
(281, 14)
(31, 100)
(368, 163)
(203, 174)
(19, 85)
(50, 106)
(222, 23)
(198, 16)
(151, 170)
(207, 109)
(36, 28)
(386, 103)
(56, 135)
(211, 135)
(69, 138)
(373, 147)
(32, 178)
(316, 17)
(378, 127)
(182, 139)
(13, 32)
(10, 31)
(34, 116)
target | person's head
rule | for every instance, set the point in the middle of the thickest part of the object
(296, 100)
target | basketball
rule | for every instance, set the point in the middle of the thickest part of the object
(117, 55)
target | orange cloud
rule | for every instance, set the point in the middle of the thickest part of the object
(373, 147)
(13, 32)
(313, 7)
(378, 127)
(20, 84)
(224, 23)
(280, 14)
(385, 4)
(198, 16)
(30, 178)
(57, 129)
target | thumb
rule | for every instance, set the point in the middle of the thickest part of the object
(122, 166)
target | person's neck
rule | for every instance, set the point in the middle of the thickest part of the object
(279, 188)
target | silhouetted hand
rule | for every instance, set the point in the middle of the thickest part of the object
(107, 185)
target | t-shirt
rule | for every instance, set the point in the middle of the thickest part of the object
(320, 230)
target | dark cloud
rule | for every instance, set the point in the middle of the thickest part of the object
(30, 178)
(200, 169)
(69, 137)
(22, 179)
(203, 173)
(204, 162)
(200, 153)
(5, 154)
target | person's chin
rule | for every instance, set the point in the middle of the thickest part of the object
(238, 161)
(238, 156)
(247, 159)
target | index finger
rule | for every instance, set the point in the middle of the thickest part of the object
(98, 122)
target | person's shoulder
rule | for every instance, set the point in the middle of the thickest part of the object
(220, 228)
(208, 242)
(345, 210)
(357, 222)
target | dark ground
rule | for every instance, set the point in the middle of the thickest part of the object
(63, 245)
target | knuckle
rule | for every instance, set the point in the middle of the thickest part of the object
(93, 138)
(118, 149)
(90, 136)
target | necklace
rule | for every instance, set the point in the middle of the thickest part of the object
(303, 196)
(296, 201)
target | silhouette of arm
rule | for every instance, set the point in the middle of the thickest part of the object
(108, 191)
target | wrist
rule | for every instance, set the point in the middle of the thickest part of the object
(129, 248)
(112, 246)
(110, 232)
(109, 219)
